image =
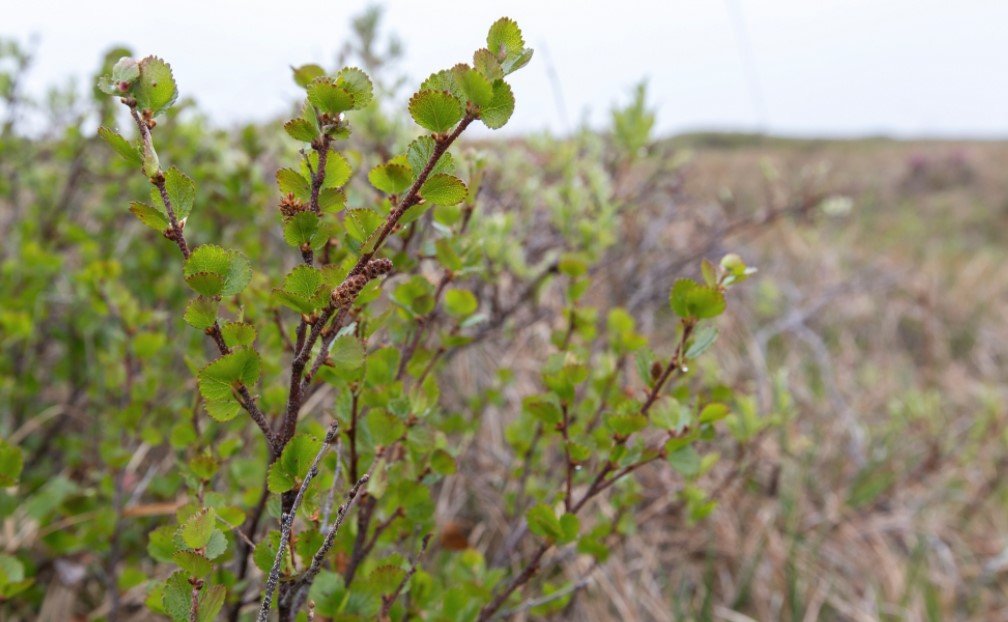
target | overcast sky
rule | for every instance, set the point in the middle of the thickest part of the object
(806, 67)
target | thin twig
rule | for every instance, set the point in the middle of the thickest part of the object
(388, 601)
(299, 590)
(288, 522)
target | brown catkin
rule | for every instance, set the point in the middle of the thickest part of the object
(348, 290)
(377, 267)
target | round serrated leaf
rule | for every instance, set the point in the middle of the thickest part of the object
(290, 181)
(155, 89)
(149, 216)
(392, 177)
(329, 97)
(442, 189)
(212, 270)
(346, 353)
(505, 37)
(201, 312)
(437, 111)
(358, 84)
(304, 74)
(474, 85)
(495, 114)
(300, 229)
(205, 283)
(487, 64)
(196, 531)
(238, 334)
(420, 151)
(129, 152)
(223, 410)
(300, 129)
(181, 191)
(216, 380)
(460, 302)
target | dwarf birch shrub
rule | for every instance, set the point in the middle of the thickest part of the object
(298, 455)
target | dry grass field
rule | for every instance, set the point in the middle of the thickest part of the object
(876, 334)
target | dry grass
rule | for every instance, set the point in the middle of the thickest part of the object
(878, 333)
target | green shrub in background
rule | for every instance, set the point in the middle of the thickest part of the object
(300, 471)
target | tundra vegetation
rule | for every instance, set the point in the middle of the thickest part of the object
(356, 364)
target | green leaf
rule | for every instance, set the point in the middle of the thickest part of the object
(420, 151)
(11, 463)
(304, 289)
(215, 271)
(331, 200)
(304, 74)
(12, 577)
(223, 410)
(217, 380)
(392, 177)
(689, 299)
(194, 564)
(301, 129)
(129, 152)
(702, 340)
(211, 599)
(709, 272)
(384, 579)
(384, 428)
(149, 216)
(495, 114)
(443, 80)
(177, 597)
(685, 460)
(346, 353)
(361, 223)
(291, 182)
(181, 192)
(442, 462)
(293, 464)
(474, 85)
(196, 531)
(161, 543)
(238, 334)
(542, 521)
(216, 546)
(155, 90)
(487, 64)
(713, 412)
(572, 264)
(578, 453)
(505, 37)
(300, 229)
(416, 295)
(206, 283)
(625, 425)
(358, 84)
(441, 189)
(460, 302)
(544, 408)
(437, 111)
(570, 526)
(514, 62)
(127, 70)
(329, 97)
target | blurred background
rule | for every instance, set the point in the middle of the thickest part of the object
(852, 150)
(828, 68)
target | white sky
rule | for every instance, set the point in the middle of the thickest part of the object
(808, 67)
